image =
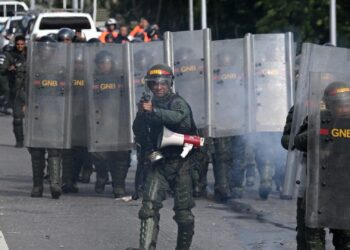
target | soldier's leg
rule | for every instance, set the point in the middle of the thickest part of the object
(301, 234)
(222, 161)
(250, 165)
(341, 239)
(38, 165)
(315, 238)
(183, 204)
(119, 167)
(143, 164)
(54, 167)
(154, 193)
(86, 168)
(18, 119)
(68, 171)
(264, 153)
(199, 171)
(238, 167)
(100, 160)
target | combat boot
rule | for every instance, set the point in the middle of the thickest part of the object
(118, 174)
(149, 233)
(54, 166)
(68, 170)
(38, 175)
(237, 193)
(86, 173)
(184, 237)
(315, 239)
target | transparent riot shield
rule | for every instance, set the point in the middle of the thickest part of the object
(229, 90)
(314, 58)
(109, 97)
(145, 55)
(270, 75)
(48, 111)
(188, 60)
(328, 174)
(79, 97)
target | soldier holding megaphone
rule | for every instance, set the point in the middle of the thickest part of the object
(165, 125)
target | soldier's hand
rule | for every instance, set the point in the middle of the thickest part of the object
(147, 106)
(11, 68)
(24, 109)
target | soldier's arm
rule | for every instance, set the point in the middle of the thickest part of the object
(176, 114)
(5, 63)
(300, 140)
(287, 129)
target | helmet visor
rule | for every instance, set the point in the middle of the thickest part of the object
(155, 81)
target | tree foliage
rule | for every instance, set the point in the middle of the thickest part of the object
(307, 19)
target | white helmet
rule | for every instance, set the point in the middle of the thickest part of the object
(110, 21)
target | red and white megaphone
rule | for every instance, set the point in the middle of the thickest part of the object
(170, 138)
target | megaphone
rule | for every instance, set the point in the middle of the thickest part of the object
(170, 138)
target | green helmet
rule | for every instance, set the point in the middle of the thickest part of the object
(159, 73)
(337, 94)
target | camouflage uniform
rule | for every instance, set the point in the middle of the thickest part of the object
(18, 60)
(238, 166)
(172, 173)
(222, 161)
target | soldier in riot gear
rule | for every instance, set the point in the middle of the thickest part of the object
(65, 35)
(47, 47)
(335, 107)
(15, 64)
(76, 158)
(6, 91)
(117, 162)
(170, 110)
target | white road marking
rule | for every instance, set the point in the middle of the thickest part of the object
(3, 245)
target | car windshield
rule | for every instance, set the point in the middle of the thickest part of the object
(54, 23)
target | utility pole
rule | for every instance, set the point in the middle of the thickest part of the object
(190, 11)
(94, 10)
(204, 13)
(333, 22)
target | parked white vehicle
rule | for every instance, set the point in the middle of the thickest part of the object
(51, 22)
(11, 8)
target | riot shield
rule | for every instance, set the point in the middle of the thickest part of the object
(109, 95)
(270, 75)
(229, 90)
(145, 55)
(79, 97)
(189, 62)
(48, 112)
(314, 58)
(327, 191)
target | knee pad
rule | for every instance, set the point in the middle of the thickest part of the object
(148, 210)
(184, 217)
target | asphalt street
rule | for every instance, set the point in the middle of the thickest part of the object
(90, 221)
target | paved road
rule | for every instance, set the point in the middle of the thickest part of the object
(88, 221)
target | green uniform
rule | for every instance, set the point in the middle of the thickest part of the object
(173, 173)
(315, 237)
(222, 161)
(18, 60)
